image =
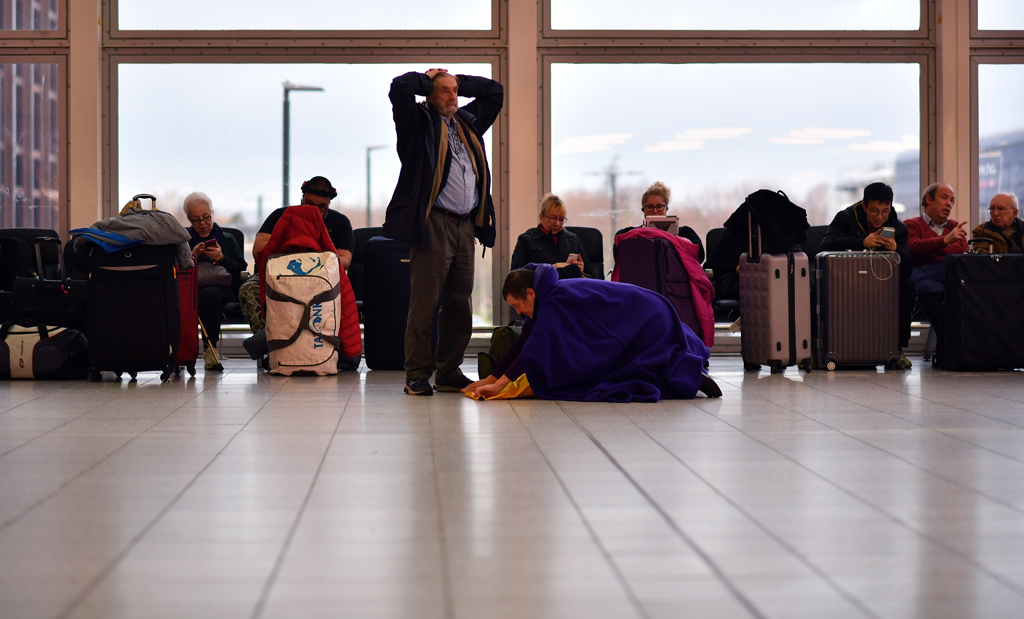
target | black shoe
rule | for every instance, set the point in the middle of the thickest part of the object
(454, 385)
(709, 387)
(418, 386)
(256, 345)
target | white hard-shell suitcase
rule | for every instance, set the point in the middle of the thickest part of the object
(303, 312)
(775, 308)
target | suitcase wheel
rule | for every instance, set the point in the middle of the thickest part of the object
(177, 371)
(164, 376)
(831, 366)
(805, 365)
(191, 367)
(94, 375)
(751, 367)
(133, 375)
(118, 375)
(776, 367)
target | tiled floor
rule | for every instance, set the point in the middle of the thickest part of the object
(852, 494)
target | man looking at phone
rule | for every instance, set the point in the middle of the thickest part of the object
(933, 236)
(872, 224)
(219, 261)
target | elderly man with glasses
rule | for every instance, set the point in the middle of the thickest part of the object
(1004, 228)
(550, 243)
(860, 227)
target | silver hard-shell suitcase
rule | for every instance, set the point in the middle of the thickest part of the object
(775, 308)
(858, 308)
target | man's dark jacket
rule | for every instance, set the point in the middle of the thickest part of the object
(849, 228)
(420, 149)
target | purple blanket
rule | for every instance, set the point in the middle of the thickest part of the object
(595, 340)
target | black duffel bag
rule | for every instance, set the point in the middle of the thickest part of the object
(42, 352)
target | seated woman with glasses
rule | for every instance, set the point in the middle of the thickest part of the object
(550, 243)
(655, 202)
(219, 261)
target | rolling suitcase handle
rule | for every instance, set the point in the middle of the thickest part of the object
(39, 257)
(753, 239)
(136, 203)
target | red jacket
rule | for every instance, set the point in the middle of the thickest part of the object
(926, 247)
(301, 228)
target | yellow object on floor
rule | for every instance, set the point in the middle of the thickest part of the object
(519, 388)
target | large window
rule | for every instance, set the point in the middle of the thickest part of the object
(716, 132)
(29, 190)
(304, 15)
(218, 128)
(737, 15)
(1000, 133)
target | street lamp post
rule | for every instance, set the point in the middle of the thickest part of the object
(369, 149)
(288, 87)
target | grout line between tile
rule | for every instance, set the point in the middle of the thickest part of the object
(78, 599)
(953, 551)
(268, 586)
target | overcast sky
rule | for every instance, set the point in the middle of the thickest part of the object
(217, 127)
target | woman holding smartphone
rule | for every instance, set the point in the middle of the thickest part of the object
(550, 243)
(219, 261)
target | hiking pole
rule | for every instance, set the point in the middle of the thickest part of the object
(208, 346)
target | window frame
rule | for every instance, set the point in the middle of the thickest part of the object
(305, 38)
(761, 38)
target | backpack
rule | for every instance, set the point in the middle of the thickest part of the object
(502, 340)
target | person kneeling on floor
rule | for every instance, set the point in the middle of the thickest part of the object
(595, 340)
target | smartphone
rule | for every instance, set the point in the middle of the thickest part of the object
(887, 233)
(573, 258)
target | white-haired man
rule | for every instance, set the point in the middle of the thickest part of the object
(219, 261)
(1003, 227)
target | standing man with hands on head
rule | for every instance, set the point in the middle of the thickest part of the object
(441, 204)
(933, 236)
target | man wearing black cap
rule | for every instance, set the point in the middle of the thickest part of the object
(317, 192)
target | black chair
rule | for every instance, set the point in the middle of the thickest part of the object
(233, 309)
(812, 245)
(49, 252)
(356, 270)
(593, 244)
(726, 310)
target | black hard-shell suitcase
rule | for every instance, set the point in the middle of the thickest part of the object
(133, 314)
(385, 302)
(654, 264)
(983, 328)
(858, 309)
